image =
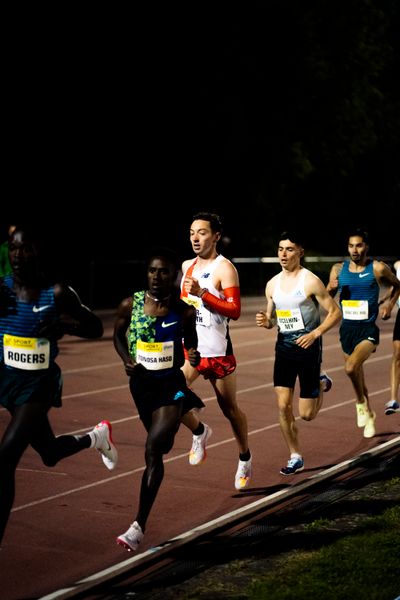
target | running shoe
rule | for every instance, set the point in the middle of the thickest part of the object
(369, 429)
(391, 407)
(362, 414)
(327, 381)
(198, 453)
(104, 444)
(131, 539)
(243, 474)
(293, 466)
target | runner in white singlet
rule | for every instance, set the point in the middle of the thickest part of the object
(293, 300)
(210, 282)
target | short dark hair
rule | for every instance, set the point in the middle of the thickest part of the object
(293, 236)
(165, 254)
(359, 232)
(33, 233)
(212, 218)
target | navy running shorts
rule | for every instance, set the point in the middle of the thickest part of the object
(352, 335)
(18, 387)
(150, 392)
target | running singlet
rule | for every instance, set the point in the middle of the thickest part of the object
(20, 345)
(296, 315)
(155, 342)
(212, 327)
(359, 294)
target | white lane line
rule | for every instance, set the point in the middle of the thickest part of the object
(173, 458)
(223, 520)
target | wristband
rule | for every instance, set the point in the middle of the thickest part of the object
(202, 292)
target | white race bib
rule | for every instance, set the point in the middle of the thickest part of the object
(155, 355)
(30, 354)
(290, 320)
(203, 315)
(355, 310)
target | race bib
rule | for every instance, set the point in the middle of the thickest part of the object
(290, 320)
(30, 354)
(155, 355)
(355, 310)
(203, 315)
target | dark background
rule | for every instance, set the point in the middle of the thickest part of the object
(120, 126)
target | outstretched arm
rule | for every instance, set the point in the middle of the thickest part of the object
(190, 335)
(333, 283)
(267, 318)
(74, 318)
(385, 276)
(315, 287)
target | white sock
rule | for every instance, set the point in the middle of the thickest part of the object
(92, 436)
(296, 455)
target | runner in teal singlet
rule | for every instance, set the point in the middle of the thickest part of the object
(358, 281)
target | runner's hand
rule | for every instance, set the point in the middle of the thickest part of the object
(194, 357)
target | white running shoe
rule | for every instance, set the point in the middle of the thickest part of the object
(198, 453)
(243, 474)
(369, 429)
(362, 414)
(131, 539)
(104, 444)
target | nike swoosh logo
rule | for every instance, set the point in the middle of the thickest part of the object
(37, 309)
(168, 324)
(363, 274)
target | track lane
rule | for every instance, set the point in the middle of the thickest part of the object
(65, 520)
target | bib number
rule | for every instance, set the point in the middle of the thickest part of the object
(355, 310)
(155, 355)
(30, 354)
(290, 320)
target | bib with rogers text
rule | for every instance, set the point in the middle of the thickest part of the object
(30, 354)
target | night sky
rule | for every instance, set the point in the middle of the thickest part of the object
(292, 114)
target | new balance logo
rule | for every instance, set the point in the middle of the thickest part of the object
(163, 324)
(37, 309)
(363, 274)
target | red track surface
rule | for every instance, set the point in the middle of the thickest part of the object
(65, 520)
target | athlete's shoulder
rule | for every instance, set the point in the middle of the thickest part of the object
(338, 266)
(187, 263)
(225, 263)
(274, 279)
(310, 276)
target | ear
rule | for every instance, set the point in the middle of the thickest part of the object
(218, 235)
(301, 252)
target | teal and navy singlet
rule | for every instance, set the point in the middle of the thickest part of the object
(359, 295)
(155, 342)
(21, 347)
